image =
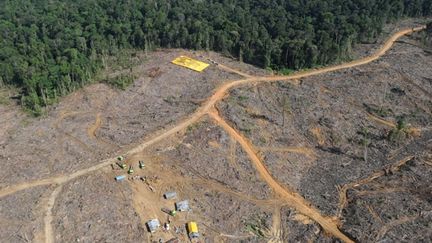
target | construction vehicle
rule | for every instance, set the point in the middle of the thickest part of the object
(141, 164)
(169, 212)
(192, 228)
(122, 165)
(130, 171)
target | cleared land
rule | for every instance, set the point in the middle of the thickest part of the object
(277, 155)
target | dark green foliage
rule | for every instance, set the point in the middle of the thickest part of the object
(401, 124)
(51, 47)
(286, 71)
(400, 132)
(257, 225)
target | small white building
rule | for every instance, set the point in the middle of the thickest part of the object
(153, 225)
(170, 195)
(182, 206)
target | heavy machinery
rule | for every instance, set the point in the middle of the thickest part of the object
(122, 165)
(169, 212)
(192, 228)
(121, 162)
(141, 164)
(130, 171)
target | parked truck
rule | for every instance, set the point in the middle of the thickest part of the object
(192, 228)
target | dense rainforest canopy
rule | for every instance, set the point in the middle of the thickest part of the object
(50, 47)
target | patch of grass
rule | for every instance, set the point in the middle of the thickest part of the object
(285, 71)
(255, 230)
(192, 127)
(6, 92)
(258, 226)
(4, 98)
(269, 69)
(25, 122)
(243, 98)
(247, 128)
(170, 100)
(121, 82)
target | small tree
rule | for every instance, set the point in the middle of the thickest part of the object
(398, 133)
(401, 124)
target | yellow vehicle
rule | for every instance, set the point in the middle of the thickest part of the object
(192, 228)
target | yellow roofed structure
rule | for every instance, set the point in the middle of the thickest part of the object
(190, 63)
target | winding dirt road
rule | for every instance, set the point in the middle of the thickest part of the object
(293, 198)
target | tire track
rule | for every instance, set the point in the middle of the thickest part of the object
(296, 150)
(91, 131)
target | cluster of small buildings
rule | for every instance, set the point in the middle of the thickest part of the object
(153, 225)
(181, 206)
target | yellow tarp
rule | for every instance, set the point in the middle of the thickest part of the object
(190, 63)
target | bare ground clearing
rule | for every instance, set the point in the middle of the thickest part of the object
(215, 197)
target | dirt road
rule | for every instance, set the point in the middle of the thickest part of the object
(54, 180)
(49, 232)
(293, 199)
(207, 108)
(91, 131)
(276, 230)
(231, 70)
